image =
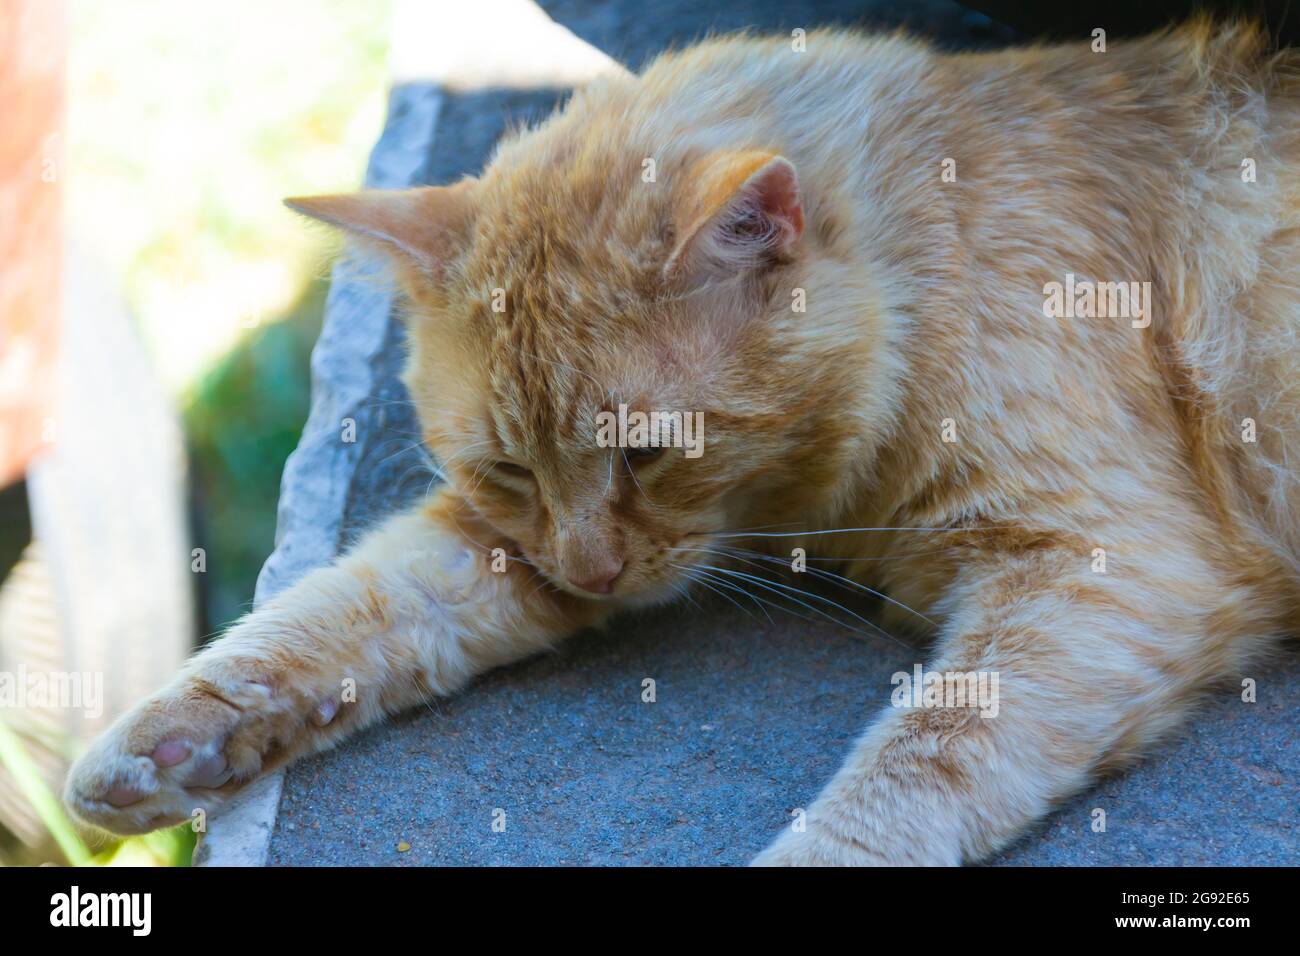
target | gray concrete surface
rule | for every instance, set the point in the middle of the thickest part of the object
(750, 716)
(750, 719)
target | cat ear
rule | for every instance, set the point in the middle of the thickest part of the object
(423, 227)
(742, 210)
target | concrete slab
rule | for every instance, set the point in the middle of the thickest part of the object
(750, 719)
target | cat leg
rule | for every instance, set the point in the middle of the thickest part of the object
(1090, 669)
(414, 610)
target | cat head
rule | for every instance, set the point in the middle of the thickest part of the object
(575, 285)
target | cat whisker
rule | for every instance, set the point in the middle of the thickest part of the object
(735, 554)
(479, 474)
(771, 585)
(682, 589)
(546, 582)
(886, 557)
(687, 572)
(425, 462)
(467, 452)
(384, 402)
(718, 578)
(839, 579)
(631, 471)
(417, 467)
(857, 560)
(757, 527)
(824, 531)
(758, 600)
(437, 475)
(764, 603)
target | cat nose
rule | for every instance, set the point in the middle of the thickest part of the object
(602, 580)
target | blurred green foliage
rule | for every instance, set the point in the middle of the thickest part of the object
(242, 421)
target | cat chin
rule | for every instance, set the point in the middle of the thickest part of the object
(664, 593)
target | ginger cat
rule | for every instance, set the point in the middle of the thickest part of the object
(923, 205)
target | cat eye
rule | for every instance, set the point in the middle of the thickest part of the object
(510, 468)
(642, 455)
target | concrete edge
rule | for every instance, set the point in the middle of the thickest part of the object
(317, 476)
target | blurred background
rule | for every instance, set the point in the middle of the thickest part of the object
(153, 383)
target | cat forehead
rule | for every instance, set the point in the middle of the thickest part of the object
(529, 272)
(512, 297)
(525, 382)
(552, 390)
(573, 236)
(580, 305)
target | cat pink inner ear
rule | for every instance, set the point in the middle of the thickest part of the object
(426, 227)
(742, 210)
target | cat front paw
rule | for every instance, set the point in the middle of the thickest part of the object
(817, 846)
(831, 836)
(806, 849)
(192, 746)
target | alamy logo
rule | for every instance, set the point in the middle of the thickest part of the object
(103, 909)
(946, 689)
(651, 430)
(1098, 300)
(51, 690)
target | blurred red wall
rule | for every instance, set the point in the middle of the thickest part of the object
(33, 52)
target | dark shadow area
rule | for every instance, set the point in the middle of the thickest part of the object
(1120, 18)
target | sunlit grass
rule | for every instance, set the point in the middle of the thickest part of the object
(163, 848)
